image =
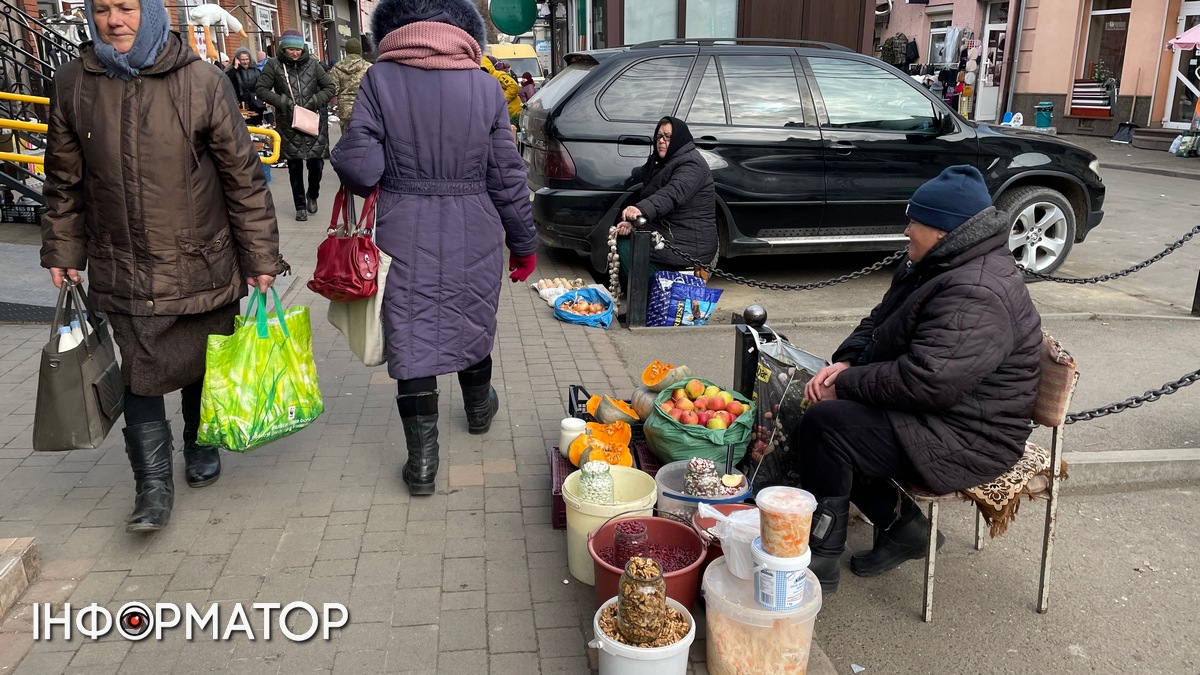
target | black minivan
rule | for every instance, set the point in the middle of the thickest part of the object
(813, 148)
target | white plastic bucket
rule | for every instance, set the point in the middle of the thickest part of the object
(634, 493)
(672, 498)
(737, 550)
(619, 659)
(779, 583)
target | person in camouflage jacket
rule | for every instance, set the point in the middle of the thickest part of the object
(347, 74)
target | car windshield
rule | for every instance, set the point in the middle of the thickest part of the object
(556, 89)
(525, 65)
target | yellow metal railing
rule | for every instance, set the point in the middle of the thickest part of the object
(39, 128)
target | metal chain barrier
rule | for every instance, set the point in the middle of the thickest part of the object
(1125, 272)
(1135, 401)
(659, 240)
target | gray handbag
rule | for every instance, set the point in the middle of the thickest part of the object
(80, 393)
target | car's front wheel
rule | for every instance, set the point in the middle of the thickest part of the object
(1041, 227)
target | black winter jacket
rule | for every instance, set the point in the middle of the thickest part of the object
(951, 355)
(681, 192)
(245, 85)
(312, 88)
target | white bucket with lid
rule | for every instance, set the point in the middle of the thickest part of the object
(779, 583)
(620, 659)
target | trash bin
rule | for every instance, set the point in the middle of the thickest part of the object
(1043, 114)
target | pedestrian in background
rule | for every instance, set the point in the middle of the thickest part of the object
(296, 74)
(512, 97)
(452, 195)
(153, 185)
(262, 61)
(527, 89)
(244, 77)
(346, 76)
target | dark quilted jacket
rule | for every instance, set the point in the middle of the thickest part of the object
(452, 196)
(682, 194)
(313, 89)
(952, 353)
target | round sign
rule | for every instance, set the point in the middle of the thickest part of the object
(969, 78)
(972, 66)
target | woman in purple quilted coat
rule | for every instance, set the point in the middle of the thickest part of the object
(431, 130)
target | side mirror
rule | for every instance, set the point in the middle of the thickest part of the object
(946, 124)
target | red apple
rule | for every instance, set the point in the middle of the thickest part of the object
(716, 403)
(701, 403)
(704, 416)
(666, 405)
(725, 417)
(685, 404)
(675, 413)
(694, 389)
(688, 417)
(735, 408)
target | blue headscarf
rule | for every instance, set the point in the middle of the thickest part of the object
(151, 36)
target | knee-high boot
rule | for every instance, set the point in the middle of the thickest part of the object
(479, 397)
(827, 541)
(149, 448)
(419, 414)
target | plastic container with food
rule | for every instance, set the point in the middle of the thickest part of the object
(742, 637)
(786, 514)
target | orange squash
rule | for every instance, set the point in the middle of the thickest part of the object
(658, 375)
(610, 438)
(592, 404)
(609, 453)
(612, 410)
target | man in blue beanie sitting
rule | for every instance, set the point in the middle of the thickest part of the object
(936, 387)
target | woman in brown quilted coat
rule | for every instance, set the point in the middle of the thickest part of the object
(153, 185)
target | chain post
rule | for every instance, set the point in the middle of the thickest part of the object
(639, 278)
(1196, 298)
(745, 359)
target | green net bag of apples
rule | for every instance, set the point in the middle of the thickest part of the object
(697, 418)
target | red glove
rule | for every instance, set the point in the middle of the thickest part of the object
(521, 266)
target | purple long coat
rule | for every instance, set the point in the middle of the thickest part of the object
(452, 195)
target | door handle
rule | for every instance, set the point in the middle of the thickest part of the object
(841, 147)
(633, 140)
(706, 142)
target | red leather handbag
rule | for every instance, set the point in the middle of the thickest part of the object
(348, 261)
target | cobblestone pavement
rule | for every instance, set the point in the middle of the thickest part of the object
(470, 580)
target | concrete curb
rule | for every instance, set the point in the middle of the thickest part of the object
(20, 564)
(1171, 173)
(1112, 468)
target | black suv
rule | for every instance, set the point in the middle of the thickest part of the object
(813, 147)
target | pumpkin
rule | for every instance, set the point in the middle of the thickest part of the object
(611, 410)
(643, 402)
(592, 404)
(610, 453)
(612, 437)
(658, 375)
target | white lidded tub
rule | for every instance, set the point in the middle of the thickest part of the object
(621, 659)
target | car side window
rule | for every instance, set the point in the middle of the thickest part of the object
(646, 92)
(762, 91)
(864, 96)
(708, 106)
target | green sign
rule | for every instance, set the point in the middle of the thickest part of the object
(514, 17)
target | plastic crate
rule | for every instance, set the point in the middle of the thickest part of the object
(560, 468)
(29, 214)
(644, 457)
(577, 398)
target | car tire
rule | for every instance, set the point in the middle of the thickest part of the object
(1041, 227)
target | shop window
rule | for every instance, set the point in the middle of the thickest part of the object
(864, 96)
(711, 18)
(648, 91)
(647, 20)
(1107, 30)
(938, 51)
(599, 26)
(762, 91)
(709, 105)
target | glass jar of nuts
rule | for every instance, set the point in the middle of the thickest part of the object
(641, 601)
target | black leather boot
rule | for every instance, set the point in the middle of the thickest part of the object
(419, 414)
(479, 398)
(827, 540)
(905, 539)
(202, 462)
(149, 448)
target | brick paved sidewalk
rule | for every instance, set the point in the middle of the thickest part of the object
(470, 580)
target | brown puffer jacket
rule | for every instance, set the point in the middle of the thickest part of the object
(951, 354)
(153, 185)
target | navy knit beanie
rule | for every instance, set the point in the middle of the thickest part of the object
(951, 199)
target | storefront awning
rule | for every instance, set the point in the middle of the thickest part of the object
(1188, 40)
